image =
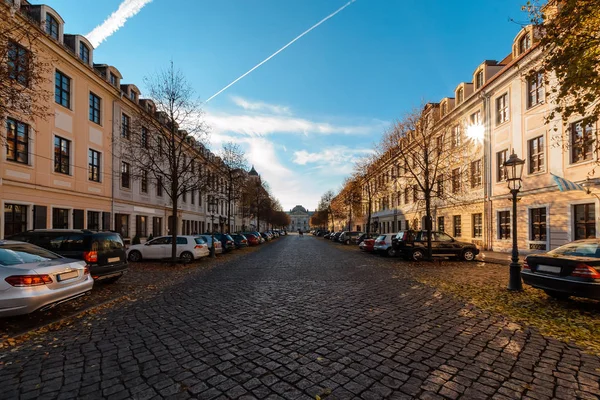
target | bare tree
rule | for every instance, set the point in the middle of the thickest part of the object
(234, 162)
(351, 198)
(165, 142)
(325, 206)
(24, 70)
(256, 199)
(365, 176)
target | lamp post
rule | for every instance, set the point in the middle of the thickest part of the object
(212, 206)
(513, 170)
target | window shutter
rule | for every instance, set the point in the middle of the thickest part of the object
(106, 221)
(77, 219)
(39, 217)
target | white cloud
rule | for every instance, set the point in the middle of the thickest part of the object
(260, 106)
(126, 10)
(331, 156)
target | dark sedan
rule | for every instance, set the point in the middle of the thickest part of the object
(570, 270)
(239, 240)
(413, 245)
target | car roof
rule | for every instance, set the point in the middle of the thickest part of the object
(3, 242)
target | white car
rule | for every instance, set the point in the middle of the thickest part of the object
(383, 245)
(189, 248)
(218, 244)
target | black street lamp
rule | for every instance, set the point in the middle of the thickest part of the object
(513, 170)
(212, 208)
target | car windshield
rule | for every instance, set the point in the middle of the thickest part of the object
(382, 237)
(578, 249)
(199, 240)
(23, 253)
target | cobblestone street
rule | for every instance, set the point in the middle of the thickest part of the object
(297, 319)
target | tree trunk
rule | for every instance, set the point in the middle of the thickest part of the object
(428, 223)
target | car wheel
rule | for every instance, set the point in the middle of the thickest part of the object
(112, 280)
(468, 255)
(391, 252)
(557, 295)
(186, 257)
(417, 255)
(347, 241)
(135, 256)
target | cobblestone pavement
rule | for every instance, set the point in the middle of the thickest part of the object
(297, 319)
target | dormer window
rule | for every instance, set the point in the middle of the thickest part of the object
(113, 79)
(51, 26)
(132, 95)
(479, 79)
(84, 53)
(444, 109)
(460, 95)
(524, 44)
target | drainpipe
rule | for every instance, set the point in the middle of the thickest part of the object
(112, 172)
(487, 166)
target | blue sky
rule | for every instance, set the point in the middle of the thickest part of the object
(306, 114)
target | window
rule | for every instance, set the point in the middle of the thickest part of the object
(536, 154)
(193, 196)
(60, 218)
(476, 174)
(535, 89)
(585, 221)
(479, 79)
(15, 219)
(537, 223)
(51, 26)
(440, 224)
(18, 63)
(62, 155)
(406, 195)
(524, 44)
(141, 226)
(440, 186)
(132, 95)
(415, 193)
(160, 146)
(457, 225)
(93, 220)
(62, 89)
(144, 137)
(475, 118)
(477, 225)
(122, 224)
(504, 225)
(125, 175)
(113, 79)
(456, 136)
(439, 144)
(125, 125)
(94, 108)
(444, 109)
(17, 141)
(156, 226)
(460, 94)
(582, 140)
(94, 165)
(501, 157)
(159, 188)
(456, 180)
(84, 53)
(144, 182)
(502, 109)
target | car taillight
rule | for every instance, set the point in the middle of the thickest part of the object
(244, 241)
(198, 246)
(28, 280)
(585, 271)
(86, 271)
(90, 256)
(526, 266)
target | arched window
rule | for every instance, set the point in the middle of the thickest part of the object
(459, 95)
(84, 53)
(51, 26)
(524, 43)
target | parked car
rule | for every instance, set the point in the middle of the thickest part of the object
(265, 236)
(335, 236)
(569, 270)
(239, 240)
(253, 240)
(103, 252)
(33, 278)
(189, 248)
(413, 245)
(359, 239)
(348, 237)
(383, 245)
(227, 242)
(218, 245)
(327, 235)
(367, 245)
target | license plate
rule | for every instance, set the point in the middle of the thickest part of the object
(114, 259)
(548, 268)
(67, 275)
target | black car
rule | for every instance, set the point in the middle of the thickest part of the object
(239, 240)
(569, 270)
(413, 245)
(103, 251)
(227, 241)
(349, 237)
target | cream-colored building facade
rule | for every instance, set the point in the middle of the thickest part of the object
(65, 170)
(503, 108)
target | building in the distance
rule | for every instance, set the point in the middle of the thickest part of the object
(299, 219)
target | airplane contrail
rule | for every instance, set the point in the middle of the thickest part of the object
(281, 49)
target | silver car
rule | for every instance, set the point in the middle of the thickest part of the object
(33, 278)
